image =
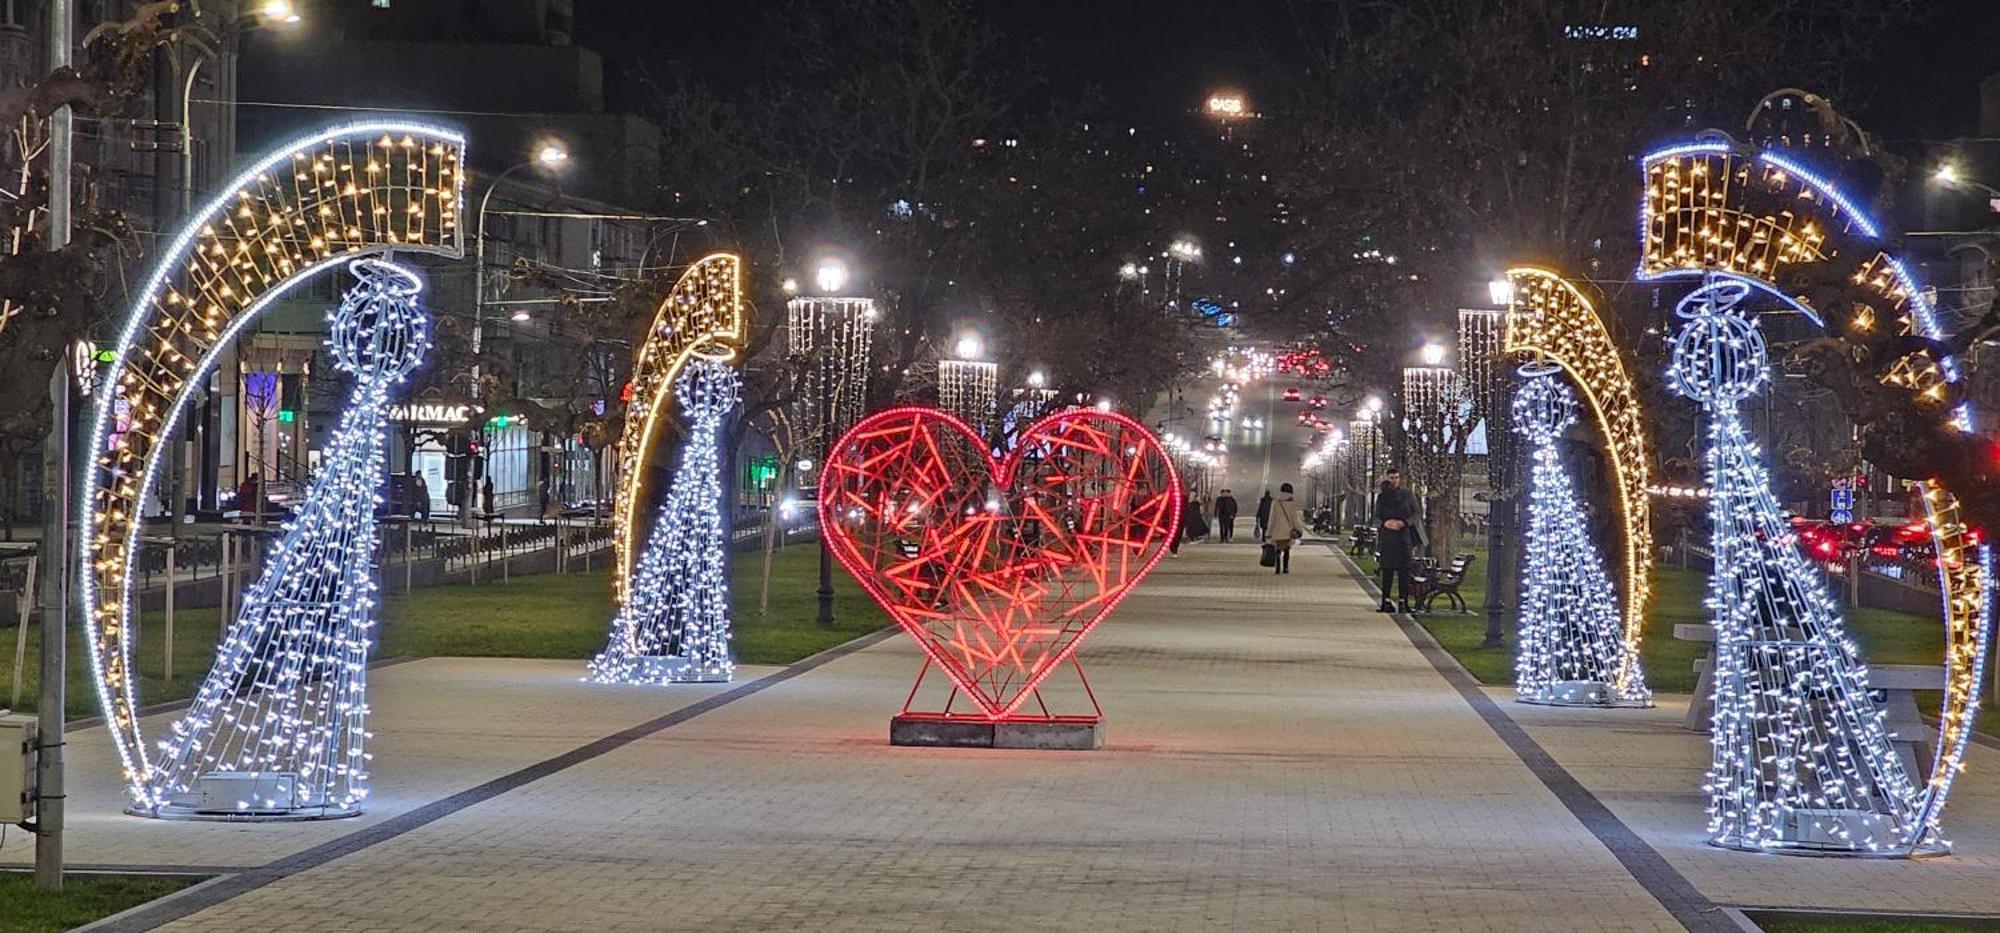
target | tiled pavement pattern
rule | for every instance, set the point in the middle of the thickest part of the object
(1647, 769)
(1277, 757)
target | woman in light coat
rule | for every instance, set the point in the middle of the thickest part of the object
(1285, 528)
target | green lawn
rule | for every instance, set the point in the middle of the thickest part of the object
(531, 616)
(84, 898)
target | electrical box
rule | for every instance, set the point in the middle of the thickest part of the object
(17, 767)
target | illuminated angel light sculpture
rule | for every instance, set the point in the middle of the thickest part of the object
(1802, 759)
(278, 728)
(1717, 211)
(1572, 648)
(324, 199)
(700, 318)
(674, 624)
(1550, 318)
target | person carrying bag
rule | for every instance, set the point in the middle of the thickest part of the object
(1285, 530)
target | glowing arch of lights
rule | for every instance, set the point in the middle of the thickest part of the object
(1553, 319)
(321, 200)
(702, 316)
(1712, 208)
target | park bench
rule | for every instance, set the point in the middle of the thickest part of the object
(1892, 686)
(1364, 540)
(1433, 581)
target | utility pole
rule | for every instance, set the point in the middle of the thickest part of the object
(55, 530)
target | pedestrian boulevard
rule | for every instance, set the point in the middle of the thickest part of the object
(1277, 756)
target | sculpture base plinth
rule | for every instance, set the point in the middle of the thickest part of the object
(1834, 833)
(245, 797)
(938, 731)
(1583, 693)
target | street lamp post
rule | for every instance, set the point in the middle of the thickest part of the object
(550, 157)
(831, 336)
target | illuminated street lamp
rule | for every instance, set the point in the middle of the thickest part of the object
(1500, 291)
(830, 336)
(552, 156)
(967, 384)
(1433, 354)
(1949, 176)
(830, 276)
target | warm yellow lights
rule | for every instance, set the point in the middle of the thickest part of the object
(244, 249)
(1707, 211)
(702, 316)
(1550, 317)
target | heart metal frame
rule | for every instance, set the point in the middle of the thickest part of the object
(998, 567)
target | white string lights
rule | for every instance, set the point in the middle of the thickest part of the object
(1717, 210)
(278, 728)
(1801, 757)
(319, 200)
(1572, 648)
(673, 626)
(834, 336)
(967, 388)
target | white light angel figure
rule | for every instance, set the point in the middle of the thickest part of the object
(674, 624)
(1573, 650)
(279, 726)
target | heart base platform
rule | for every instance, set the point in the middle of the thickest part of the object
(937, 730)
(944, 727)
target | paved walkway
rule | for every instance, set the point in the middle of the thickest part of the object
(1277, 757)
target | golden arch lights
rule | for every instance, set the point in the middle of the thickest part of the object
(1551, 319)
(325, 198)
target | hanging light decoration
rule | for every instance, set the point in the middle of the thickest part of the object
(1573, 647)
(673, 625)
(278, 728)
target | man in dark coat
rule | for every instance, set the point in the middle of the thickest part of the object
(1225, 516)
(1395, 538)
(1263, 514)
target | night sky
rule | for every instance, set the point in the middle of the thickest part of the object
(1156, 58)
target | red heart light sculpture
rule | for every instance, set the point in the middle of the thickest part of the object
(998, 568)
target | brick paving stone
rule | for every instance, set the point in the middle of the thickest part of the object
(1277, 757)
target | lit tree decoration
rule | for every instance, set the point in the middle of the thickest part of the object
(673, 626)
(1802, 760)
(278, 727)
(1572, 647)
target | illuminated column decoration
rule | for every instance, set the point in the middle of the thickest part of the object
(834, 337)
(1573, 649)
(701, 317)
(1478, 358)
(1717, 210)
(674, 624)
(966, 389)
(323, 199)
(278, 727)
(1550, 318)
(1432, 398)
(1802, 759)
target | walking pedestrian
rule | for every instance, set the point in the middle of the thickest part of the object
(1190, 521)
(1396, 536)
(1263, 515)
(1286, 529)
(1225, 517)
